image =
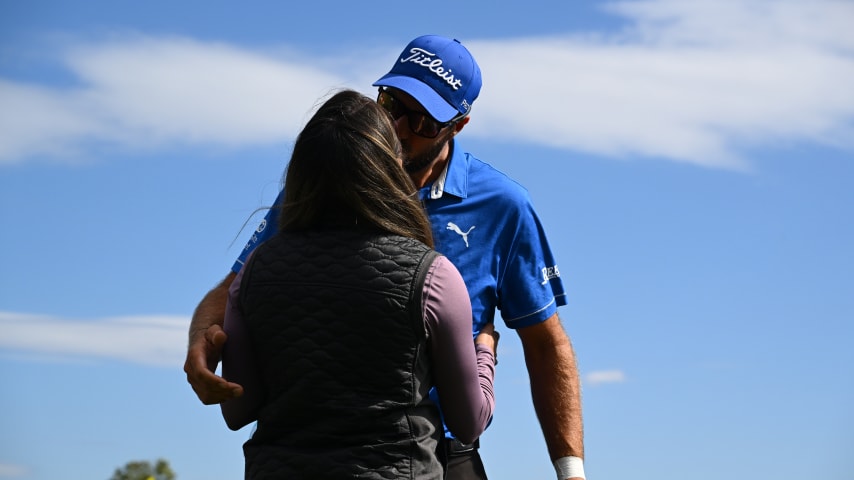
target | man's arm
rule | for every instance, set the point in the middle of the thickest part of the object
(205, 347)
(555, 387)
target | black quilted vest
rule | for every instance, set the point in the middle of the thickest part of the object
(336, 323)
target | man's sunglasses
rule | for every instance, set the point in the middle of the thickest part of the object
(420, 123)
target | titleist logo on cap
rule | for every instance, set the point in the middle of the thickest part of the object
(429, 61)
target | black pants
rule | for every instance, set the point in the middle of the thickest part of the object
(463, 461)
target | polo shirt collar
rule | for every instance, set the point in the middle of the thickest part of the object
(454, 178)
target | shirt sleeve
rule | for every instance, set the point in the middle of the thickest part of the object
(531, 288)
(266, 229)
(463, 374)
(238, 363)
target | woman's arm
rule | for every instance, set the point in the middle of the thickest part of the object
(238, 364)
(463, 373)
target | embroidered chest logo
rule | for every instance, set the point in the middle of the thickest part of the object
(453, 226)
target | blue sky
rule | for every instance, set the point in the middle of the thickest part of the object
(692, 162)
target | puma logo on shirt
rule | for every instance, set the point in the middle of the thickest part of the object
(453, 226)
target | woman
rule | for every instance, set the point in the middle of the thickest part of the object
(339, 326)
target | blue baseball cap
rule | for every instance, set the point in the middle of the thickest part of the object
(438, 72)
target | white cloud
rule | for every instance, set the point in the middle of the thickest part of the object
(178, 89)
(689, 81)
(604, 376)
(694, 82)
(148, 340)
(145, 93)
(39, 121)
(12, 471)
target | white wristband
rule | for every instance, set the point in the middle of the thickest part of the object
(569, 467)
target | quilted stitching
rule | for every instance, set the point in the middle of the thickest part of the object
(342, 355)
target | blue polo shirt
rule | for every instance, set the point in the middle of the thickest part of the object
(485, 223)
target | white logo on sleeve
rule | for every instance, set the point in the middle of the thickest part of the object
(254, 239)
(453, 226)
(550, 273)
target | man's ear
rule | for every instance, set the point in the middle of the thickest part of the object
(458, 127)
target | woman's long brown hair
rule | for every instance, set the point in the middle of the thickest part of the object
(345, 169)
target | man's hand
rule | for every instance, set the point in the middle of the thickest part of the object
(203, 357)
(205, 349)
(489, 336)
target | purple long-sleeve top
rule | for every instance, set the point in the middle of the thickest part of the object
(462, 370)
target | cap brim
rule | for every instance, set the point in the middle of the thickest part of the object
(435, 105)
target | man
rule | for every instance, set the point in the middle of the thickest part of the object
(483, 221)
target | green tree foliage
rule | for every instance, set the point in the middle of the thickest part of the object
(145, 471)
